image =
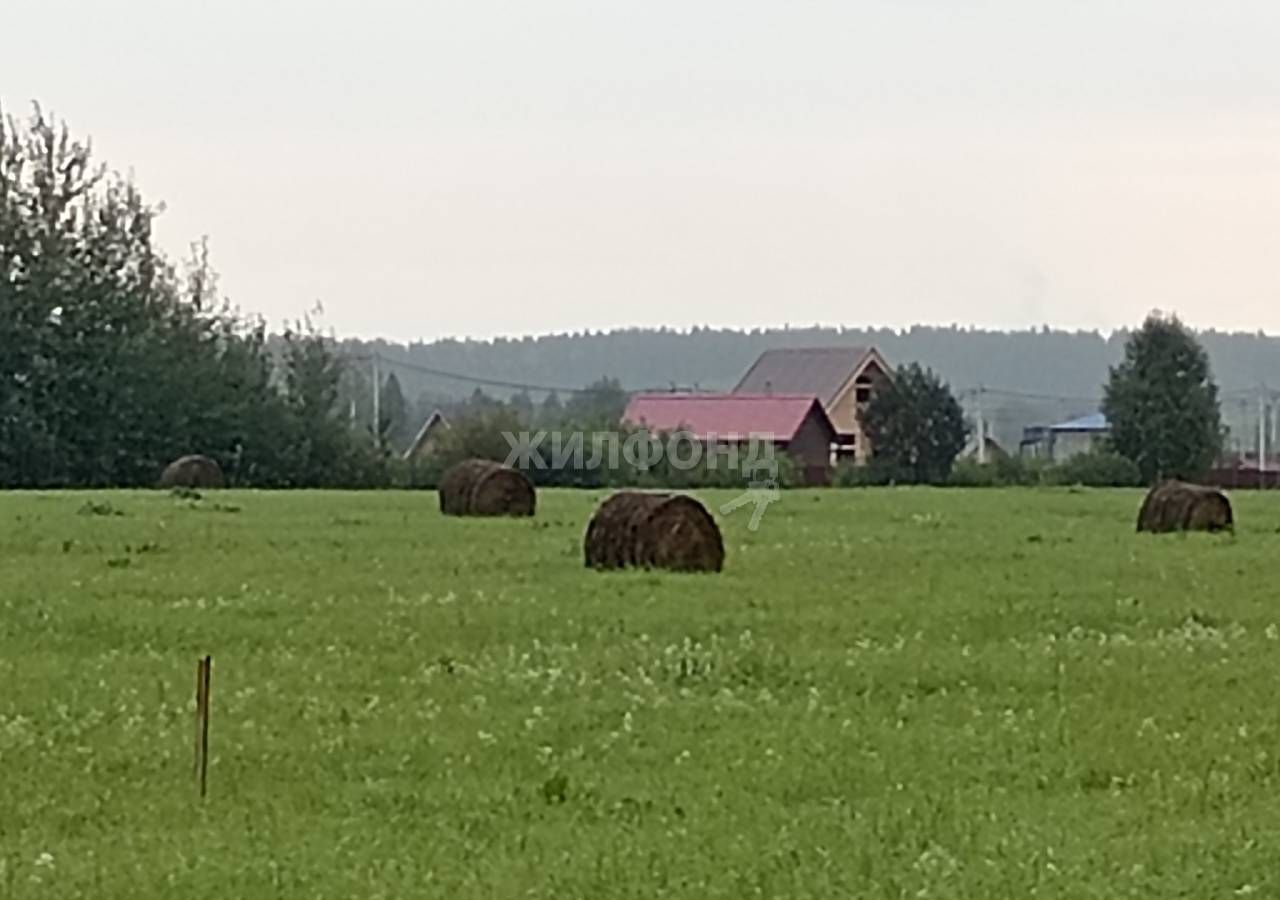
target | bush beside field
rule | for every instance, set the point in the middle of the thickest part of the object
(1098, 468)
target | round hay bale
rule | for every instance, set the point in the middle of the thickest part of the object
(1178, 506)
(455, 487)
(480, 487)
(502, 491)
(654, 531)
(193, 471)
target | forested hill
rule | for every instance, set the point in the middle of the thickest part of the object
(1042, 361)
(1030, 375)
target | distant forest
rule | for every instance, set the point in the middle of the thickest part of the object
(1028, 377)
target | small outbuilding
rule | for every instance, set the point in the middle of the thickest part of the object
(1058, 443)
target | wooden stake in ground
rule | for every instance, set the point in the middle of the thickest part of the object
(204, 680)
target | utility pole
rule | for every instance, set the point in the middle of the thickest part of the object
(377, 404)
(1262, 435)
(1275, 423)
(1242, 438)
(982, 431)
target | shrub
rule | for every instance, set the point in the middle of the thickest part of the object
(973, 474)
(1004, 471)
(876, 473)
(1097, 468)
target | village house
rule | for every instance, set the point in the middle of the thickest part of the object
(842, 378)
(793, 423)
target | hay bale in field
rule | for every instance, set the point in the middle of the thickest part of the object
(654, 531)
(479, 487)
(193, 471)
(455, 487)
(1178, 506)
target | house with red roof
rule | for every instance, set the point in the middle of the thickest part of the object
(796, 424)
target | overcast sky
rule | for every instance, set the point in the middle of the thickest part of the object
(477, 168)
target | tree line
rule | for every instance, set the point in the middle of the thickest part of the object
(115, 361)
(1044, 376)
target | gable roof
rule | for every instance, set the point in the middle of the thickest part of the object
(817, 371)
(434, 423)
(726, 416)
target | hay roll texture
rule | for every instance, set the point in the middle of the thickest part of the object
(192, 472)
(479, 487)
(1178, 506)
(654, 531)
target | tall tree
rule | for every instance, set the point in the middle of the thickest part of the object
(603, 402)
(321, 450)
(552, 410)
(916, 426)
(393, 412)
(522, 404)
(112, 364)
(100, 356)
(1162, 402)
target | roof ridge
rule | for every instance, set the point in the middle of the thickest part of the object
(829, 348)
(728, 395)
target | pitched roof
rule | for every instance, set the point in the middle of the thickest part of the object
(819, 371)
(1094, 422)
(434, 422)
(727, 416)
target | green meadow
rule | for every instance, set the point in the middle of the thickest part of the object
(886, 694)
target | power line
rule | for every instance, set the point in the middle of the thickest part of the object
(1030, 395)
(473, 379)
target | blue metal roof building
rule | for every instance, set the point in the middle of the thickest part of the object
(1060, 442)
(1093, 422)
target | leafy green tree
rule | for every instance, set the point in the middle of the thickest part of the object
(109, 366)
(1162, 402)
(603, 401)
(552, 410)
(522, 403)
(479, 435)
(479, 403)
(322, 450)
(916, 427)
(112, 364)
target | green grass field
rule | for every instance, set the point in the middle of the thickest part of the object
(910, 693)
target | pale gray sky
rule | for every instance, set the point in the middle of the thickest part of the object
(476, 168)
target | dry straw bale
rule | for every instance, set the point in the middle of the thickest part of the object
(1178, 506)
(479, 487)
(654, 531)
(193, 471)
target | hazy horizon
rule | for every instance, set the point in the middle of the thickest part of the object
(432, 170)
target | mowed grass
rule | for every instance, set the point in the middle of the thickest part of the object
(909, 693)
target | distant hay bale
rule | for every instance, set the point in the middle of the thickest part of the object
(654, 531)
(479, 487)
(193, 471)
(455, 487)
(1178, 506)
